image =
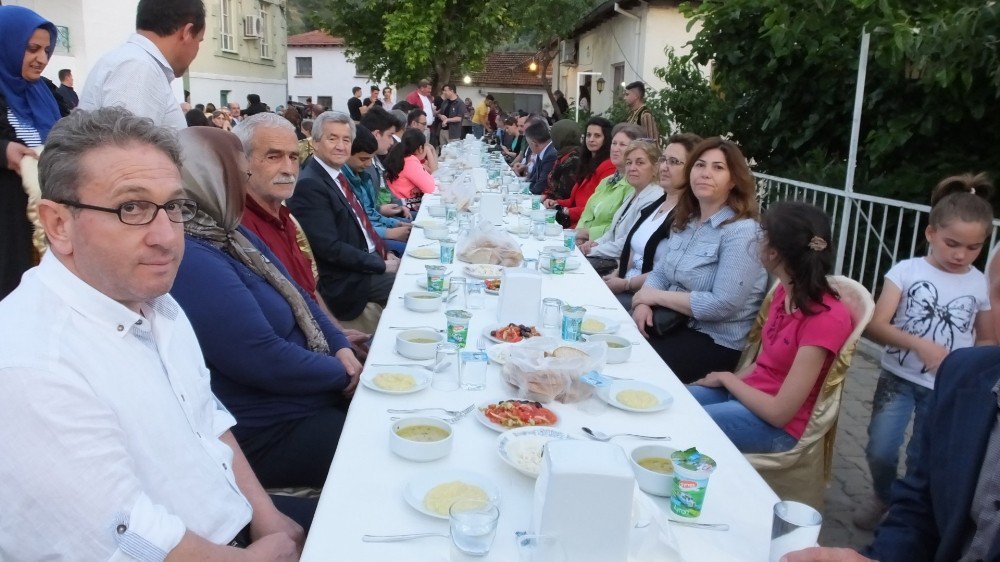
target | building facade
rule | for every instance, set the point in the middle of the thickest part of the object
(244, 52)
(318, 68)
(618, 43)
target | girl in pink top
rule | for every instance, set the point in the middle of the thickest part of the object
(404, 170)
(764, 408)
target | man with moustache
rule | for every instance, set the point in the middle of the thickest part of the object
(272, 150)
(112, 445)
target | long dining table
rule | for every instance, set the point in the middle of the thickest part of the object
(364, 491)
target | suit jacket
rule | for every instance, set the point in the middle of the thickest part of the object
(661, 233)
(337, 240)
(928, 519)
(544, 162)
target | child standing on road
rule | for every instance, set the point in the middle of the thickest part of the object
(928, 307)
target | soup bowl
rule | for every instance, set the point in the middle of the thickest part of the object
(418, 344)
(420, 439)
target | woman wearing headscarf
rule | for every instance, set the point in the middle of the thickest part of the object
(277, 362)
(595, 165)
(29, 106)
(566, 140)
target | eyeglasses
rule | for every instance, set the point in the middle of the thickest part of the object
(138, 213)
(671, 161)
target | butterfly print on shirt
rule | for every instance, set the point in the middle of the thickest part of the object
(925, 318)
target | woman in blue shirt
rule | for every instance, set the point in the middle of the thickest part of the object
(277, 363)
(709, 285)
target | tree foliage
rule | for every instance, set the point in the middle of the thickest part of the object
(786, 72)
(403, 41)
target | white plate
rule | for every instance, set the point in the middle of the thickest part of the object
(492, 338)
(610, 325)
(421, 376)
(424, 253)
(572, 263)
(516, 229)
(432, 224)
(481, 417)
(528, 441)
(417, 488)
(484, 271)
(610, 394)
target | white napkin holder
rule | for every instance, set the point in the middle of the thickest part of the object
(583, 497)
(491, 207)
(520, 296)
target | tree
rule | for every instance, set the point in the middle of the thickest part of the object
(403, 41)
(786, 70)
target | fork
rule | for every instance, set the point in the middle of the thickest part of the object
(416, 328)
(458, 413)
(453, 419)
(428, 367)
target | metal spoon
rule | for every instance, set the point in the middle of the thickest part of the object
(397, 538)
(706, 526)
(600, 436)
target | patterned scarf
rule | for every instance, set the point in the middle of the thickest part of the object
(214, 174)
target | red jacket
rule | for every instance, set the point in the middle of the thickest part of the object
(583, 189)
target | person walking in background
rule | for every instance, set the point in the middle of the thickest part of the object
(929, 306)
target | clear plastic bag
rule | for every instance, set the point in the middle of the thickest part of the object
(461, 191)
(487, 244)
(546, 369)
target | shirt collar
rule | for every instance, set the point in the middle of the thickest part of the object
(146, 45)
(259, 211)
(723, 214)
(333, 172)
(95, 305)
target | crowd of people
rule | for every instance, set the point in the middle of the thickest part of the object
(160, 372)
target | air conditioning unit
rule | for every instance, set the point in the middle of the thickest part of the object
(568, 57)
(253, 27)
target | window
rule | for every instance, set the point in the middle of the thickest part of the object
(224, 98)
(619, 81)
(62, 40)
(304, 66)
(265, 33)
(227, 40)
(325, 101)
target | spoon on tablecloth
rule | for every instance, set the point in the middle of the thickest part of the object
(601, 436)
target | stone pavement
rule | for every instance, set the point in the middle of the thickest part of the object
(850, 487)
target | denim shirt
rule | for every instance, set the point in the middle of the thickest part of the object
(364, 190)
(719, 265)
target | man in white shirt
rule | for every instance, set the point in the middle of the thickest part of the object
(138, 74)
(112, 445)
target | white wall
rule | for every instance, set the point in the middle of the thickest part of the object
(615, 41)
(206, 87)
(332, 75)
(478, 94)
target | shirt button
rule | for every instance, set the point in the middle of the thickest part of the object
(121, 529)
(182, 398)
(225, 466)
(121, 328)
(138, 322)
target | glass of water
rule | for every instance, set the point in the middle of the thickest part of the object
(551, 312)
(473, 526)
(795, 526)
(475, 294)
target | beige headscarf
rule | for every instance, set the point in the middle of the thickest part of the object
(213, 168)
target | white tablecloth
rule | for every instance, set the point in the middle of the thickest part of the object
(364, 489)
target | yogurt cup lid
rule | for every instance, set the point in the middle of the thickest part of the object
(692, 459)
(458, 314)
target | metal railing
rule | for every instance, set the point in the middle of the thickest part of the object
(880, 232)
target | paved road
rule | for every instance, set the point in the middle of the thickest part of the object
(851, 485)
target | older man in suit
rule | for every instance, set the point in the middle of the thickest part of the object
(540, 144)
(355, 271)
(948, 507)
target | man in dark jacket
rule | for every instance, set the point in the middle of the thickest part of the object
(948, 508)
(66, 91)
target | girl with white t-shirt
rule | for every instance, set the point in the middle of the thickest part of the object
(929, 307)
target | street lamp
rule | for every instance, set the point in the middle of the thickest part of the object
(600, 85)
(467, 80)
(533, 66)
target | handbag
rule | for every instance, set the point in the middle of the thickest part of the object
(666, 320)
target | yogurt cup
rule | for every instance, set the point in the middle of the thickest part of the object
(692, 470)
(458, 326)
(436, 277)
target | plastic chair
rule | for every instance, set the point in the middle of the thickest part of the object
(801, 473)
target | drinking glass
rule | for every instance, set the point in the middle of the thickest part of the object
(523, 226)
(447, 378)
(551, 312)
(476, 294)
(474, 370)
(569, 238)
(458, 298)
(538, 229)
(447, 250)
(795, 526)
(473, 525)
